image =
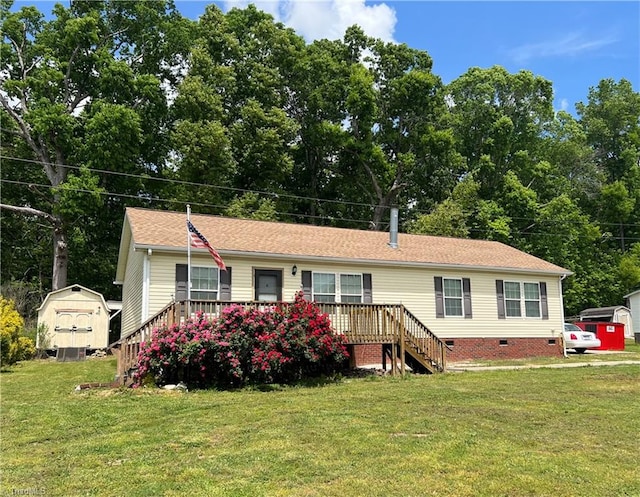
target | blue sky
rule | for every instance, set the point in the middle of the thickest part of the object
(573, 44)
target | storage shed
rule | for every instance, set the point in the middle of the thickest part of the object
(76, 317)
(633, 303)
(612, 314)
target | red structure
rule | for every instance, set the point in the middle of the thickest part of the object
(611, 335)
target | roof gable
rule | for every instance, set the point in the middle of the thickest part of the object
(79, 288)
(165, 230)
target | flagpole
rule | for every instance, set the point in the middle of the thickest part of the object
(188, 255)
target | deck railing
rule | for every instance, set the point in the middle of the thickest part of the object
(359, 323)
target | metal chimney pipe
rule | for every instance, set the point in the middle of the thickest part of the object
(393, 228)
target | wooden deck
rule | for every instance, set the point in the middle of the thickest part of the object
(403, 336)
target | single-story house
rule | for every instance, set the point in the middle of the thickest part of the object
(633, 303)
(611, 314)
(75, 317)
(484, 299)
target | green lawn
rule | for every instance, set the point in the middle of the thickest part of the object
(537, 432)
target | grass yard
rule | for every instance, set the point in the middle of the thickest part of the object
(538, 432)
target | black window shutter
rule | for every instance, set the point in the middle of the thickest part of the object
(466, 292)
(182, 279)
(225, 284)
(544, 305)
(437, 281)
(306, 285)
(500, 297)
(367, 289)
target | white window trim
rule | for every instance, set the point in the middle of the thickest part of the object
(461, 298)
(338, 290)
(525, 300)
(522, 300)
(193, 289)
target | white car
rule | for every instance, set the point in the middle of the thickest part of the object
(579, 340)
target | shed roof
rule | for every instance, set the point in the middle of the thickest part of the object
(52, 295)
(596, 312)
(164, 230)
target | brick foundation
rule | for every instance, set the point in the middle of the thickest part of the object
(502, 348)
(473, 348)
(362, 355)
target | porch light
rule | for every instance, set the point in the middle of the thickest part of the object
(294, 270)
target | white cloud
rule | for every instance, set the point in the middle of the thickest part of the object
(270, 6)
(564, 104)
(571, 44)
(317, 19)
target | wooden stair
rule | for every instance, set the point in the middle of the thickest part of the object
(391, 325)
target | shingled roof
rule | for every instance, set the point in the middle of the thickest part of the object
(163, 230)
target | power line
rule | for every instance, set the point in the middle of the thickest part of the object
(189, 183)
(292, 214)
(181, 202)
(266, 194)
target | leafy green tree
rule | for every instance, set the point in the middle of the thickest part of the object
(611, 122)
(447, 219)
(251, 206)
(233, 130)
(611, 119)
(497, 119)
(84, 89)
(396, 137)
(629, 268)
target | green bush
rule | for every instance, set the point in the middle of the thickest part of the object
(13, 346)
(277, 345)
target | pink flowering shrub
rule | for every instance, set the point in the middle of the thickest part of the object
(282, 344)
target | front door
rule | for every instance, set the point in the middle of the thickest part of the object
(268, 285)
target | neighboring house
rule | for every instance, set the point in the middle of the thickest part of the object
(633, 303)
(483, 298)
(611, 314)
(75, 317)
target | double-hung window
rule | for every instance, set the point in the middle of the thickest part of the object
(324, 287)
(453, 297)
(522, 299)
(351, 288)
(331, 287)
(512, 296)
(204, 283)
(452, 293)
(531, 300)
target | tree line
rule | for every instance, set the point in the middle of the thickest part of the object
(123, 103)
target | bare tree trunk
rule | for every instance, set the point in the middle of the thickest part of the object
(60, 246)
(60, 258)
(378, 214)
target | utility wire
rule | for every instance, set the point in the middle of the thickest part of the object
(292, 214)
(188, 183)
(181, 202)
(258, 192)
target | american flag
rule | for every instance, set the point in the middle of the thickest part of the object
(199, 241)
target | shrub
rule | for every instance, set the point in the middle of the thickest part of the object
(282, 344)
(13, 346)
(300, 344)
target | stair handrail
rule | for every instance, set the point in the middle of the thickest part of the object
(429, 345)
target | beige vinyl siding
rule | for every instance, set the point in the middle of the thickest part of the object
(414, 287)
(132, 292)
(411, 286)
(163, 273)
